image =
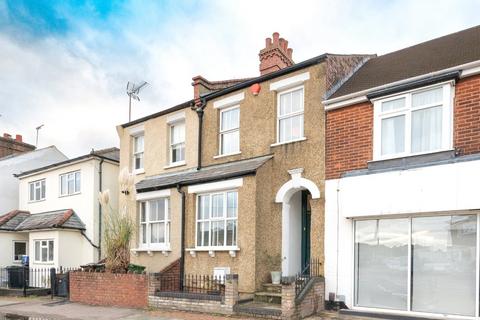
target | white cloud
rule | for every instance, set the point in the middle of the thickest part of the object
(74, 83)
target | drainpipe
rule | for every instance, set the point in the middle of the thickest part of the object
(199, 110)
(182, 237)
(100, 174)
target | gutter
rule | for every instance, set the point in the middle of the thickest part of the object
(182, 237)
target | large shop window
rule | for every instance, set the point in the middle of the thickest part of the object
(413, 123)
(437, 275)
(154, 224)
(217, 219)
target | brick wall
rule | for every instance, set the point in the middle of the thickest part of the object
(312, 302)
(108, 289)
(467, 115)
(349, 139)
(10, 145)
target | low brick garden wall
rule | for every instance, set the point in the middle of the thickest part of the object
(109, 289)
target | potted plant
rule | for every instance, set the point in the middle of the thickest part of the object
(274, 261)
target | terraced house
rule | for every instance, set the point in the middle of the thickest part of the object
(402, 169)
(233, 180)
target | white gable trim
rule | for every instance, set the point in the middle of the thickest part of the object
(216, 186)
(136, 130)
(290, 82)
(229, 101)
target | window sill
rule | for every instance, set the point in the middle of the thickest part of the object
(139, 171)
(227, 155)
(232, 251)
(43, 263)
(69, 195)
(35, 201)
(151, 251)
(287, 142)
(409, 160)
(175, 164)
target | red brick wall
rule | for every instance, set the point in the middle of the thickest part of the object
(109, 289)
(467, 115)
(349, 139)
(349, 130)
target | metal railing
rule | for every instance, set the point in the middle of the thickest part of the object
(311, 270)
(19, 277)
(191, 283)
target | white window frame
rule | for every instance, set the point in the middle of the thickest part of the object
(48, 261)
(178, 144)
(161, 246)
(67, 176)
(223, 132)
(13, 252)
(225, 218)
(134, 153)
(37, 184)
(447, 120)
(290, 115)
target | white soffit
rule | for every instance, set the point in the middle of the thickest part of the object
(153, 194)
(290, 82)
(216, 186)
(229, 101)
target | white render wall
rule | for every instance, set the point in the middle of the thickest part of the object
(439, 188)
(20, 163)
(6, 246)
(85, 204)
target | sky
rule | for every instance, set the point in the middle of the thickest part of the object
(65, 64)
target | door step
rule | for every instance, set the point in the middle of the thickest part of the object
(259, 310)
(268, 297)
(275, 288)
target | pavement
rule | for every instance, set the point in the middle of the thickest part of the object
(44, 308)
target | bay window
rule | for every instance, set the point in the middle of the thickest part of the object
(413, 123)
(37, 190)
(420, 264)
(217, 219)
(230, 130)
(70, 183)
(155, 224)
(290, 115)
(44, 251)
(177, 142)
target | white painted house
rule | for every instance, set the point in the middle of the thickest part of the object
(59, 217)
(17, 163)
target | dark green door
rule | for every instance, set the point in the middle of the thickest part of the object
(305, 230)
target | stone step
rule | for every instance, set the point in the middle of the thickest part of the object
(259, 310)
(269, 287)
(268, 297)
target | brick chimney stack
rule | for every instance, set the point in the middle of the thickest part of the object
(10, 145)
(276, 55)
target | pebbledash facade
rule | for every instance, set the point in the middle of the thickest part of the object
(402, 205)
(242, 165)
(58, 220)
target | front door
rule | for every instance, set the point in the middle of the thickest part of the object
(306, 219)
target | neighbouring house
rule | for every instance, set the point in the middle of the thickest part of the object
(58, 220)
(233, 180)
(18, 162)
(10, 145)
(402, 166)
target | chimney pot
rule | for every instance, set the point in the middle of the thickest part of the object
(19, 138)
(276, 35)
(278, 55)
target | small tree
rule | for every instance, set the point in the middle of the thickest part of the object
(118, 234)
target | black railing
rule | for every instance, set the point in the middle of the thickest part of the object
(192, 283)
(19, 277)
(311, 270)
